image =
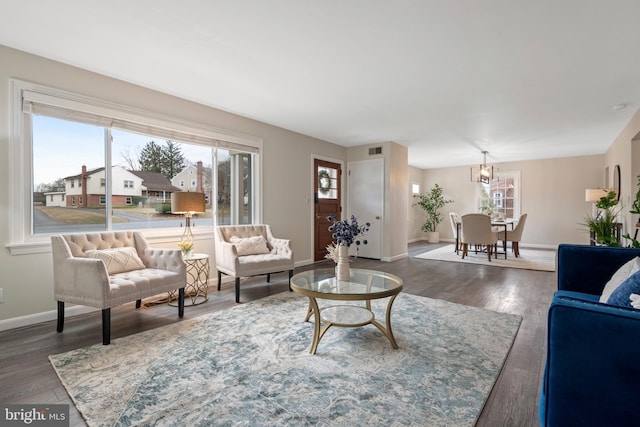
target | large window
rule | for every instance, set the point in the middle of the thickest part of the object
(501, 196)
(114, 173)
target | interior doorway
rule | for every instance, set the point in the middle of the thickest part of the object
(327, 184)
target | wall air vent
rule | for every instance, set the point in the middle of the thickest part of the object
(375, 150)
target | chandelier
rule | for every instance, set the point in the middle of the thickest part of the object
(483, 173)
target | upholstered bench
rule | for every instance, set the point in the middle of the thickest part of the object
(250, 250)
(104, 270)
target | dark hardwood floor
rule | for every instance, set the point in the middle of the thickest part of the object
(27, 377)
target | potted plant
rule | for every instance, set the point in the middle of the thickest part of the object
(603, 224)
(432, 202)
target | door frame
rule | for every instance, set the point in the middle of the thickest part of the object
(310, 201)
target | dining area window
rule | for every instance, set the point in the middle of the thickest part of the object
(501, 196)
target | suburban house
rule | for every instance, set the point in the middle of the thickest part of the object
(194, 178)
(278, 182)
(87, 189)
(156, 188)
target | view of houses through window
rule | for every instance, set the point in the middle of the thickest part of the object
(500, 197)
(82, 171)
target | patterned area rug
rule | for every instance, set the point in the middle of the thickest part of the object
(529, 259)
(249, 365)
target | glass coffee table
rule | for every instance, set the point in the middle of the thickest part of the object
(363, 285)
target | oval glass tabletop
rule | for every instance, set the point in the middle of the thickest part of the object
(322, 283)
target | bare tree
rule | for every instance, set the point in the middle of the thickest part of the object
(131, 159)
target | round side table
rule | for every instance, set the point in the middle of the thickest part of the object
(196, 291)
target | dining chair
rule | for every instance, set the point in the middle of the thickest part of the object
(455, 224)
(515, 235)
(476, 230)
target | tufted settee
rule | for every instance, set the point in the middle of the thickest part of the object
(104, 270)
(250, 250)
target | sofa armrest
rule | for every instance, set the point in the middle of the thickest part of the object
(282, 246)
(226, 256)
(592, 371)
(80, 279)
(586, 269)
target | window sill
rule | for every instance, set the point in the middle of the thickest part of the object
(43, 245)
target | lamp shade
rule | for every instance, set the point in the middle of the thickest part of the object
(595, 194)
(186, 202)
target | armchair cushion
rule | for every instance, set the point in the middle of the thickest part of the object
(622, 295)
(254, 245)
(118, 260)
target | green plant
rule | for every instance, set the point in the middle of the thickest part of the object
(431, 203)
(603, 224)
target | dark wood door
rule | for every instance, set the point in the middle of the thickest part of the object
(327, 178)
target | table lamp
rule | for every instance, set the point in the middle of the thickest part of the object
(187, 203)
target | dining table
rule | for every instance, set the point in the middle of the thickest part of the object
(494, 223)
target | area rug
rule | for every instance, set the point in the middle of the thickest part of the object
(529, 259)
(250, 365)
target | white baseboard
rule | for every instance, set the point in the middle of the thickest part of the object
(45, 316)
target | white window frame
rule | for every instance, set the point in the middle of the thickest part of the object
(23, 94)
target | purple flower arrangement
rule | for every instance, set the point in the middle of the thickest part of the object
(345, 232)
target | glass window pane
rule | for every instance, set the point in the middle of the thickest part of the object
(68, 164)
(235, 192)
(153, 169)
(327, 183)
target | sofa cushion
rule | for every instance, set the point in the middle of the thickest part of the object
(623, 273)
(254, 245)
(118, 260)
(621, 296)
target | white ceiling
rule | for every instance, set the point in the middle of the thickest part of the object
(446, 78)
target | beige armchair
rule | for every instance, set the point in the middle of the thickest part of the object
(103, 270)
(476, 230)
(250, 250)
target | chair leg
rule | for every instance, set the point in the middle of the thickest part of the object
(138, 303)
(237, 289)
(181, 302)
(219, 279)
(489, 250)
(268, 277)
(516, 248)
(106, 326)
(465, 248)
(290, 276)
(60, 325)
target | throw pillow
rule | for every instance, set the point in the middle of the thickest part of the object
(622, 295)
(118, 260)
(254, 245)
(629, 268)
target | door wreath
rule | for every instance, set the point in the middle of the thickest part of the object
(324, 181)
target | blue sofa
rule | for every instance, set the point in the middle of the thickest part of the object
(592, 373)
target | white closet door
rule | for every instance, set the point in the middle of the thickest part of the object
(365, 200)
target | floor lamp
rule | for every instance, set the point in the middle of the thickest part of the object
(187, 203)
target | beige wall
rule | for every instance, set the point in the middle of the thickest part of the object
(552, 192)
(286, 176)
(625, 152)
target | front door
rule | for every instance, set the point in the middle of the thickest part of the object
(327, 178)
